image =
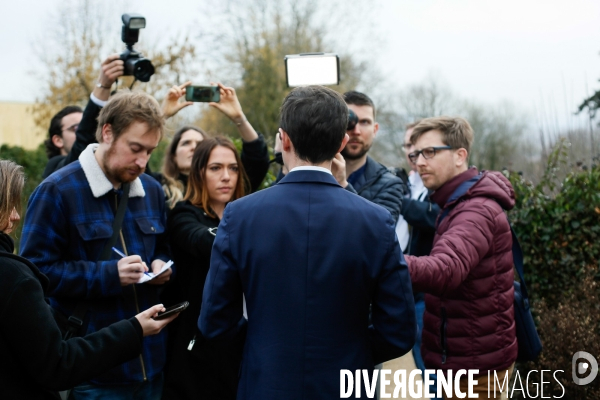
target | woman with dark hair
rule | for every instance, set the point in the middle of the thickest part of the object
(36, 361)
(177, 161)
(198, 369)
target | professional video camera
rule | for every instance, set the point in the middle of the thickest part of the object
(135, 64)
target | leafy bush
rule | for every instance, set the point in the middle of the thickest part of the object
(558, 225)
(571, 326)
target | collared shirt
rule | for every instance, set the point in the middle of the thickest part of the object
(97, 101)
(418, 191)
(311, 168)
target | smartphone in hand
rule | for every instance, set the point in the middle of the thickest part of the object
(203, 94)
(172, 310)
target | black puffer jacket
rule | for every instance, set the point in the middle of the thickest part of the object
(381, 187)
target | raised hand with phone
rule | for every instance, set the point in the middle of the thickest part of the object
(230, 106)
(227, 103)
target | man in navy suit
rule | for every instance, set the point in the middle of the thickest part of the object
(312, 260)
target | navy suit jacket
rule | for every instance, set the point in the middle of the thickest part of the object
(311, 258)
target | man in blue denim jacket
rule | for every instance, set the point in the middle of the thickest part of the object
(69, 219)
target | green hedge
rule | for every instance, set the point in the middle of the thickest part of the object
(558, 224)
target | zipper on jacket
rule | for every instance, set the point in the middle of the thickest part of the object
(137, 306)
(443, 335)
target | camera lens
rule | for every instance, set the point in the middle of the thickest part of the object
(142, 69)
(352, 120)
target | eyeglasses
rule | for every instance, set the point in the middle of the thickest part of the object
(72, 128)
(428, 152)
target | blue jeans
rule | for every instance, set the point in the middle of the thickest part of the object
(150, 390)
(419, 311)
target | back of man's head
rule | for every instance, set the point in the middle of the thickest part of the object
(456, 131)
(315, 118)
(359, 99)
(56, 129)
(127, 107)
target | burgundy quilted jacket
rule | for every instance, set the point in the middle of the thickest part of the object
(468, 279)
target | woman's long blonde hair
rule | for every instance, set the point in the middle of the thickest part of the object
(12, 181)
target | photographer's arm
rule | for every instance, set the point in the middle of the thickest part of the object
(255, 155)
(255, 158)
(110, 70)
(231, 107)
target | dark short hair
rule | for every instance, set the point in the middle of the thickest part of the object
(56, 129)
(197, 192)
(125, 108)
(359, 99)
(315, 118)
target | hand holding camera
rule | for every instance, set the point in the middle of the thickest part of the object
(110, 70)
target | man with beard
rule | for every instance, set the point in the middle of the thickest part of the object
(69, 221)
(359, 173)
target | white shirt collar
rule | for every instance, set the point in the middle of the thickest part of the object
(98, 182)
(417, 188)
(311, 168)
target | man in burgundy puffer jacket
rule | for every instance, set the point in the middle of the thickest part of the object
(468, 277)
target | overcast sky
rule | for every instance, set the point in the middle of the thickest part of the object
(524, 51)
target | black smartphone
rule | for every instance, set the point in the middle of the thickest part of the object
(172, 310)
(204, 94)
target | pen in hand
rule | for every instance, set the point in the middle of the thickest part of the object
(123, 256)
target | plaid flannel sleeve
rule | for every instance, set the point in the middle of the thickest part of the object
(48, 243)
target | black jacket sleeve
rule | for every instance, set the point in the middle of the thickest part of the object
(86, 132)
(255, 158)
(420, 214)
(186, 231)
(44, 356)
(53, 165)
